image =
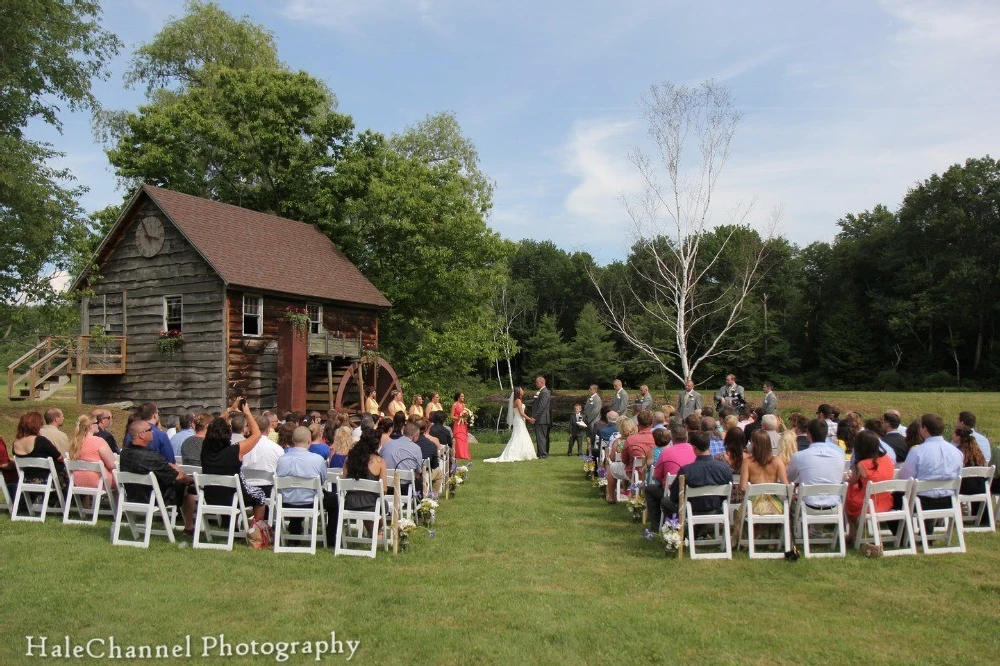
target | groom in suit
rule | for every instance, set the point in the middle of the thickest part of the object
(541, 417)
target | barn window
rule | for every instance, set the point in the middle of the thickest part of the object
(253, 315)
(173, 313)
(315, 317)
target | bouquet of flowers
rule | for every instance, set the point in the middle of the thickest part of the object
(588, 465)
(169, 341)
(637, 505)
(406, 528)
(602, 477)
(671, 535)
(427, 510)
(463, 472)
(468, 417)
(454, 481)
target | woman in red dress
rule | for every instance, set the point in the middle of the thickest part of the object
(459, 428)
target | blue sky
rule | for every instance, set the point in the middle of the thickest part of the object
(847, 104)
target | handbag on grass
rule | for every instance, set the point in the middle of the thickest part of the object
(260, 535)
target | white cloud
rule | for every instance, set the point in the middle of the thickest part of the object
(342, 14)
(595, 155)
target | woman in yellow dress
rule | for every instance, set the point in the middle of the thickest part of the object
(417, 408)
(397, 404)
(434, 405)
(371, 404)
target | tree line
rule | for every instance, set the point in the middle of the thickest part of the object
(899, 299)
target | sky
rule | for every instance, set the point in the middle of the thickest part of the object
(846, 104)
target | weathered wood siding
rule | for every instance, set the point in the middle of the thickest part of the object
(253, 361)
(133, 287)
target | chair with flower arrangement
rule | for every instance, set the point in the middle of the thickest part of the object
(667, 483)
(353, 520)
(781, 493)
(719, 522)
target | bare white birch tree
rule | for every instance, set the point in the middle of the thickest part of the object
(671, 216)
(509, 305)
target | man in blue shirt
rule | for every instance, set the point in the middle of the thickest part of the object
(403, 454)
(161, 443)
(298, 461)
(820, 463)
(935, 458)
(187, 430)
(968, 419)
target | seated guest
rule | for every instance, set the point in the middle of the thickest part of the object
(640, 444)
(716, 443)
(877, 426)
(161, 443)
(659, 421)
(8, 469)
(299, 461)
(139, 457)
(728, 423)
(103, 419)
(847, 430)
(264, 456)
(624, 428)
(820, 462)
(761, 466)
(769, 424)
(384, 428)
(704, 471)
(186, 430)
(170, 425)
(678, 454)
(873, 465)
(272, 426)
(735, 442)
(968, 419)
(402, 453)
(51, 431)
(343, 440)
(892, 438)
(972, 456)
(788, 445)
(238, 428)
(363, 463)
(285, 431)
(219, 455)
(191, 448)
(756, 423)
(935, 458)
(28, 443)
(693, 422)
(87, 446)
(661, 440)
(438, 430)
(799, 424)
(318, 446)
(914, 436)
(429, 451)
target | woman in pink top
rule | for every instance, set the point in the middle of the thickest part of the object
(87, 446)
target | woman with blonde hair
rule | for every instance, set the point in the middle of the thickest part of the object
(788, 445)
(87, 446)
(317, 445)
(626, 427)
(729, 423)
(341, 445)
(417, 408)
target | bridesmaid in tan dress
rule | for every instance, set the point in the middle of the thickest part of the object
(417, 408)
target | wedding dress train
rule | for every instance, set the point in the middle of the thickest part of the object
(519, 447)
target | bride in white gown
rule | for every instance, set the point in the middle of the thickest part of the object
(520, 446)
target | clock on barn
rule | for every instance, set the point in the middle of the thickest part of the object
(149, 236)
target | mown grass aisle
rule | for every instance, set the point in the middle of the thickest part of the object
(528, 566)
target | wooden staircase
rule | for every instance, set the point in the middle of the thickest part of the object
(52, 363)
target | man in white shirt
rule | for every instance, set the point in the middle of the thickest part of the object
(238, 425)
(262, 458)
(968, 419)
(822, 462)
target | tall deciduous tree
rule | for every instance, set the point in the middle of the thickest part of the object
(670, 217)
(50, 52)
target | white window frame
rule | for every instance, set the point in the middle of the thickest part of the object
(315, 325)
(259, 302)
(166, 325)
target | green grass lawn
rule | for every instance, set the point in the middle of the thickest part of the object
(528, 566)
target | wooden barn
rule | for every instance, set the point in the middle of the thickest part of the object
(187, 306)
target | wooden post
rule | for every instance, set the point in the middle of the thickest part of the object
(395, 515)
(681, 512)
(447, 475)
(329, 383)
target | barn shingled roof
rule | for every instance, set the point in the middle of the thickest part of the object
(266, 252)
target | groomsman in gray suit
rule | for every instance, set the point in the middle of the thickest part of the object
(644, 402)
(770, 400)
(689, 400)
(541, 416)
(620, 402)
(592, 408)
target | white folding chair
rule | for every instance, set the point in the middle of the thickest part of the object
(234, 514)
(75, 494)
(312, 514)
(25, 489)
(149, 509)
(190, 470)
(754, 520)
(871, 520)
(638, 476)
(809, 516)
(952, 517)
(357, 518)
(407, 502)
(5, 497)
(718, 521)
(974, 521)
(332, 476)
(263, 478)
(425, 477)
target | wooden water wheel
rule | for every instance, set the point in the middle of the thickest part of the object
(362, 376)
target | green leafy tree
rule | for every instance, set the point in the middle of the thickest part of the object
(50, 52)
(547, 354)
(592, 358)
